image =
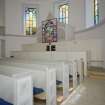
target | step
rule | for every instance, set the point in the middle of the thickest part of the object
(97, 77)
(96, 73)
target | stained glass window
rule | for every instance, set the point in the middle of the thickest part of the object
(64, 13)
(49, 31)
(30, 21)
(96, 12)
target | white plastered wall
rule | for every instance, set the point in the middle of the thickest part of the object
(14, 14)
(89, 13)
(76, 12)
(97, 45)
(15, 37)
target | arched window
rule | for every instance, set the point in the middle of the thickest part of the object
(64, 13)
(30, 21)
(96, 12)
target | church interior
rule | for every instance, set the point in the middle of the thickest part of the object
(52, 52)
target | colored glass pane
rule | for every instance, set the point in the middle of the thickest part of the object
(34, 24)
(63, 13)
(27, 24)
(96, 12)
(30, 21)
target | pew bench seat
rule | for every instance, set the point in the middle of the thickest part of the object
(3, 102)
(41, 96)
(37, 90)
(39, 93)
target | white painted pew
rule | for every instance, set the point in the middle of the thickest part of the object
(62, 70)
(78, 68)
(58, 65)
(53, 56)
(16, 89)
(62, 73)
(42, 78)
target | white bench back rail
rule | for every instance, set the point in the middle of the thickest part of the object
(17, 91)
(39, 77)
(62, 70)
(7, 88)
(78, 69)
(53, 56)
(59, 66)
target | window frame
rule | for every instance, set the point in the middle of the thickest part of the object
(56, 5)
(96, 13)
(64, 19)
(36, 6)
